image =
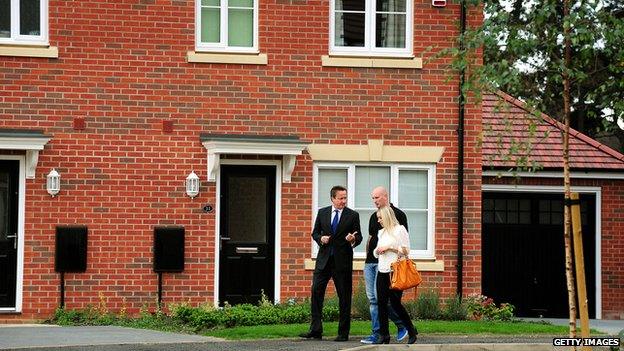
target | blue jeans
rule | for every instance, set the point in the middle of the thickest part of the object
(370, 277)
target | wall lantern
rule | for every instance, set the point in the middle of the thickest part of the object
(53, 184)
(192, 185)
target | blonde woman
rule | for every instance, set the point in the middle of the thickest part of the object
(393, 243)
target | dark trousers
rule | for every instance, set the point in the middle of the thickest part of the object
(384, 293)
(343, 282)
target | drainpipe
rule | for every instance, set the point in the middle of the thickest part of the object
(460, 158)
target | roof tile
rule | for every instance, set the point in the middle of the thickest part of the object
(506, 126)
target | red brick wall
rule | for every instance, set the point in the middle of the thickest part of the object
(612, 236)
(122, 66)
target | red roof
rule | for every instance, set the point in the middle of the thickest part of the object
(506, 126)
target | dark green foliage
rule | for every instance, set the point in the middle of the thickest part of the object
(245, 315)
(455, 309)
(525, 52)
(360, 302)
(183, 317)
(428, 305)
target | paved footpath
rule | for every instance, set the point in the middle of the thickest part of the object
(110, 338)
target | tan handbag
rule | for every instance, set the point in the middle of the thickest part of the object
(404, 275)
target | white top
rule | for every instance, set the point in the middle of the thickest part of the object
(395, 239)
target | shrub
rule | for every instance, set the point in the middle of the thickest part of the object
(183, 316)
(482, 307)
(87, 316)
(264, 313)
(361, 306)
(331, 309)
(428, 305)
(295, 314)
(455, 309)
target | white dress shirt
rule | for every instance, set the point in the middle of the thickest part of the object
(396, 239)
(333, 214)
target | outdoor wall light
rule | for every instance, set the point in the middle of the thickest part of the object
(53, 184)
(192, 185)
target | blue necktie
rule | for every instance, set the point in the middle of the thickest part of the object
(334, 223)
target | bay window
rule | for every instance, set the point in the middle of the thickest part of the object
(410, 187)
(227, 25)
(24, 22)
(371, 27)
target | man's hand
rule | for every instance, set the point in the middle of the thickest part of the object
(351, 237)
(325, 239)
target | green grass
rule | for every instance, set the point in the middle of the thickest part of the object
(362, 328)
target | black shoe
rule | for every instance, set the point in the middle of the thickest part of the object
(412, 338)
(311, 335)
(383, 340)
(341, 338)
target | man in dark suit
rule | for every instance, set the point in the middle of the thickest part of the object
(337, 232)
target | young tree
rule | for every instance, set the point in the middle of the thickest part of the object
(525, 40)
(563, 57)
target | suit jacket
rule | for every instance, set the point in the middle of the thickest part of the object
(342, 249)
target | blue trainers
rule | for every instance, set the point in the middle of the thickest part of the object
(370, 339)
(401, 334)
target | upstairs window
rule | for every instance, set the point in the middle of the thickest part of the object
(24, 22)
(371, 27)
(227, 25)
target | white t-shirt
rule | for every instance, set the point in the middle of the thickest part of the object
(395, 239)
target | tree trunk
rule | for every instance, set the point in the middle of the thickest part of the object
(567, 232)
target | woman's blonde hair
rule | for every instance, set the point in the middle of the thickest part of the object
(388, 218)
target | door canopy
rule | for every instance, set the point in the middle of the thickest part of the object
(27, 140)
(222, 144)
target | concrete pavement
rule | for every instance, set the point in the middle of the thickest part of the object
(611, 327)
(110, 338)
(46, 336)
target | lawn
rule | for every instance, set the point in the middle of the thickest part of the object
(362, 328)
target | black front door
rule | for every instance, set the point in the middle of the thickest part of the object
(523, 252)
(9, 173)
(247, 225)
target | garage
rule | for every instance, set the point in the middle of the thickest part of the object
(523, 251)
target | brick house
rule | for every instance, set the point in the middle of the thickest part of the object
(268, 103)
(522, 241)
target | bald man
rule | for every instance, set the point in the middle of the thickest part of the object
(380, 199)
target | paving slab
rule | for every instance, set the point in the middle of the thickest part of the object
(30, 336)
(608, 326)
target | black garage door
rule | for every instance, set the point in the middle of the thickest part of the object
(523, 252)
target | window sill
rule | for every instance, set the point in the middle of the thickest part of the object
(358, 265)
(29, 51)
(241, 59)
(371, 62)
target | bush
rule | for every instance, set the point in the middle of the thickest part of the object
(88, 316)
(361, 306)
(482, 307)
(428, 305)
(455, 309)
(207, 317)
(331, 309)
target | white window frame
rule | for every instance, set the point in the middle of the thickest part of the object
(369, 48)
(429, 252)
(16, 37)
(222, 45)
